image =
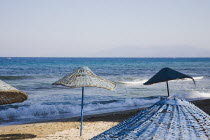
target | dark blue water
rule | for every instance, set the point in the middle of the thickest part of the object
(46, 101)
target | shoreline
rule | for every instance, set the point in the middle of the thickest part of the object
(64, 129)
(87, 115)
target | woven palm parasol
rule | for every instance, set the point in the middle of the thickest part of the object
(165, 75)
(9, 94)
(168, 119)
(84, 77)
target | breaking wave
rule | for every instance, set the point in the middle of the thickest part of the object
(194, 95)
(134, 82)
(198, 78)
(195, 78)
(50, 111)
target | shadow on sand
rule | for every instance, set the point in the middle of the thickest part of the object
(16, 136)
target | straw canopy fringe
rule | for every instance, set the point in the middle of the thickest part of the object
(84, 77)
(9, 94)
(167, 74)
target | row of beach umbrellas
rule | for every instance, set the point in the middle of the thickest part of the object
(84, 77)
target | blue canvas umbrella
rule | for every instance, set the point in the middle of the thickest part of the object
(165, 75)
(84, 77)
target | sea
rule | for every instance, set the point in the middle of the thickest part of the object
(45, 101)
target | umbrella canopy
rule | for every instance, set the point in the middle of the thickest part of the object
(84, 77)
(9, 94)
(167, 74)
(168, 119)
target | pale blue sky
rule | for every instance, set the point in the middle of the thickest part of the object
(107, 28)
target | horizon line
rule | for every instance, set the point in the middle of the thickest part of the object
(91, 57)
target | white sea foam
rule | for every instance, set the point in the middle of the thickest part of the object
(198, 78)
(142, 81)
(134, 82)
(195, 78)
(36, 110)
(193, 95)
(120, 104)
(50, 111)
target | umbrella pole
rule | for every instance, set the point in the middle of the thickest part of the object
(81, 121)
(167, 88)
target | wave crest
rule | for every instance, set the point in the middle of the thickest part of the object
(194, 95)
(134, 82)
(40, 111)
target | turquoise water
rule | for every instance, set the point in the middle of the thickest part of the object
(46, 101)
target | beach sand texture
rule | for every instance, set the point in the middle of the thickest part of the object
(68, 129)
(65, 129)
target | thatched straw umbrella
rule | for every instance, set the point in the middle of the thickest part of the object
(9, 94)
(84, 77)
(168, 119)
(165, 75)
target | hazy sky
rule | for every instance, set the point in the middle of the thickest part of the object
(106, 28)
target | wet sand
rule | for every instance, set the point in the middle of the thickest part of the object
(68, 129)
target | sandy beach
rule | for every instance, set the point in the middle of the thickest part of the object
(68, 129)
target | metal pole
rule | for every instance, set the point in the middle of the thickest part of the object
(81, 117)
(167, 87)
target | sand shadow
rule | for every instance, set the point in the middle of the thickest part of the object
(16, 136)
